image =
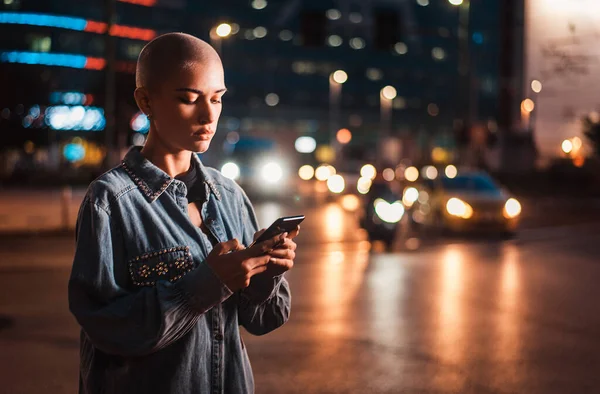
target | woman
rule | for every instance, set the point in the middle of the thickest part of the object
(161, 280)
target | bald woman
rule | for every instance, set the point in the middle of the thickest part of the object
(162, 278)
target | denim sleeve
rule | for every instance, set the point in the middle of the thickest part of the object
(265, 304)
(129, 321)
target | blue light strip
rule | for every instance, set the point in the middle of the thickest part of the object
(64, 22)
(48, 59)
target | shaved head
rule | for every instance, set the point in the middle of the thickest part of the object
(171, 53)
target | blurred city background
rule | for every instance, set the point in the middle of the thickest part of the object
(446, 154)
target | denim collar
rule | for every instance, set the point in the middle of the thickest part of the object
(153, 181)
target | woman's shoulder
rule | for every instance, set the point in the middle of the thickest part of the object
(106, 189)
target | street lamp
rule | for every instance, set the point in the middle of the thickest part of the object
(465, 85)
(386, 95)
(336, 80)
(527, 106)
(536, 87)
(217, 34)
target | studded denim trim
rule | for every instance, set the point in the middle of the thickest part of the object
(152, 195)
(146, 274)
(207, 180)
(214, 189)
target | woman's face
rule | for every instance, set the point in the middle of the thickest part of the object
(186, 106)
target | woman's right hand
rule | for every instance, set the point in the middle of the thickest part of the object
(235, 265)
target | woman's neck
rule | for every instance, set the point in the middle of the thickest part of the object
(174, 163)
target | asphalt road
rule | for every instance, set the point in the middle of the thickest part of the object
(454, 316)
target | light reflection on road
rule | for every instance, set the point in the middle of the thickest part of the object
(450, 333)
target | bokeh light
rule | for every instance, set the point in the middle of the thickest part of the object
(340, 76)
(305, 144)
(364, 185)
(306, 172)
(323, 172)
(344, 136)
(368, 171)
(336, 183)
(388, 174)
(411, 174)
(451, 171)
(223, 30)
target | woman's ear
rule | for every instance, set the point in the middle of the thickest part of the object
(142, 98)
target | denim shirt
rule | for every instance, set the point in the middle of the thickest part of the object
(154, 316)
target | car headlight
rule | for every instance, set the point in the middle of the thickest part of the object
(230, 170)
(459, 208)
(389, 213)
(336, 184)
(271, 172)
(512, 208)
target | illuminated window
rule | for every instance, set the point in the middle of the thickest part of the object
(12, 4)
(39, 43)
(133, 50)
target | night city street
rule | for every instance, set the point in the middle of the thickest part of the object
(459, 316)
(442, 158)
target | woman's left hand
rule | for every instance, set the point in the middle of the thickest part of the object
(283, 255)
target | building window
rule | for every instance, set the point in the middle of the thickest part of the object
(38, 43)
(133, 50)
(12, 4)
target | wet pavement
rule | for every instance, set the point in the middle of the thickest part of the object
(454, 316)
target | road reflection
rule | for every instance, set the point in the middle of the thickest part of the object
(508, 347)
(450, 333)
(340, 276)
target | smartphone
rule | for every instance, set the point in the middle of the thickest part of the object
(279, 226)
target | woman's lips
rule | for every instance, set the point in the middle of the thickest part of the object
(203, 135)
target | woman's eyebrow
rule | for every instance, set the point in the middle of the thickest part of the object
(199, 92)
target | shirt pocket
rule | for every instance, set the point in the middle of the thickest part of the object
(169, 264)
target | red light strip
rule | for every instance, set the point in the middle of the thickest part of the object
(146, 3)
(134, 33)
(98, 63)
(95, 63)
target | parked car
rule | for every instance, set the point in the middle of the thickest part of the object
(470, 201)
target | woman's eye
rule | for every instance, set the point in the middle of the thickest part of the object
(187, 101)
(216, 101)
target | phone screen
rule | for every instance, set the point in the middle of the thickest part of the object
(281, 225)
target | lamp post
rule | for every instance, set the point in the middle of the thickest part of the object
(464, 61)
(536, 88)
(386, 95)
(217, 34)
(336, 80)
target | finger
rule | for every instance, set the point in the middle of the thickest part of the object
(287, 244)
(258, 270)
(294, 233)
(266, 246)
(259, 233)
(282, 263)
(287, 254)
(255, 262)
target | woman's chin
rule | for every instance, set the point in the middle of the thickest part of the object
(200, 146)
